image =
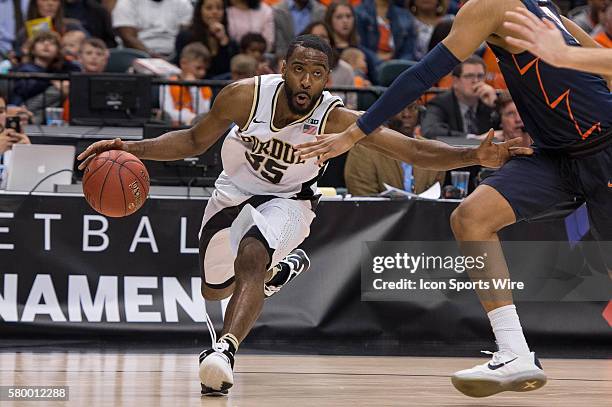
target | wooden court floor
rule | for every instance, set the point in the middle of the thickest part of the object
(146, 380)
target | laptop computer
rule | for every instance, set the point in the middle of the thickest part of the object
(29, 164)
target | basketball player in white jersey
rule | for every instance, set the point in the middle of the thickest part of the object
(264, 200)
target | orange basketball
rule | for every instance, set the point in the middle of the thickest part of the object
(116, 183)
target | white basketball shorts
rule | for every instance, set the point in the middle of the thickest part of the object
(282, 225)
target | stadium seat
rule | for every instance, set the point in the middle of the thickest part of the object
(389, 70)
(121, 59)
(366, 99)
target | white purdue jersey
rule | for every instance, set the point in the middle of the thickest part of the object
(261, 159)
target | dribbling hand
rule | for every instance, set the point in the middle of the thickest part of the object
(99, 147)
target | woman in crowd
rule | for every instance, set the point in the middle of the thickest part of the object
(251, 16)
(44, 56)
(340, 18)
(341, 72)
(209, 26)
(52, 9)
(386, 29)
(428, 14)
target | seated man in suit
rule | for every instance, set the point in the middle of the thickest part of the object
(466, 108)
(367, 170)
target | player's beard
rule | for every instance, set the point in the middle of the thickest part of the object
(290, 95)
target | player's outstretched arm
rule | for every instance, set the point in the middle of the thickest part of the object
(543, 39)
(476, 21)
(232, 105)
(429, 154)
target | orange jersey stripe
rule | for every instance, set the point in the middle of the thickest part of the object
(564, 96)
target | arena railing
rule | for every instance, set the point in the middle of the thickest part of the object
(56, 93)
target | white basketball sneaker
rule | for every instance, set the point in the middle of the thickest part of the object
(216, 369)
(286, 270)
(505, 372)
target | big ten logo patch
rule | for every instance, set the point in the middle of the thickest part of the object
(311, 127)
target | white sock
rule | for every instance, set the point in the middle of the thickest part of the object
(508, 331)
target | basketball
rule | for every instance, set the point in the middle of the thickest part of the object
(116, 183)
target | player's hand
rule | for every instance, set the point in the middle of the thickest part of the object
(99, 147)
(494, 155)
(497, 134)
(330, 145)
(538, 36)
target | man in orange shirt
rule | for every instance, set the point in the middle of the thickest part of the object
(184, 103)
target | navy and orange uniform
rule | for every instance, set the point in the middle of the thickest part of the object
(568, 114)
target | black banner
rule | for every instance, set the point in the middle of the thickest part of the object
(67, 270)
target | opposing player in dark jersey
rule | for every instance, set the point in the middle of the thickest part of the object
(567, 113)
(543, 39)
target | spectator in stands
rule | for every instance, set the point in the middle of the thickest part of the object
(25, 116)
(588, 17)
(604, 38)
(8, 137)
(48, 8)
(341, 72)
(71, 44)
(52, 9)
(93, 58)
(340, 18)
(151, 25)
(93, 55)
(386, 29)
(254, 45)
(251, 16)
(209, 27)
(94, 18)
(291, 18)
(11, 23)
(184, 103)
(428, 14)
(466, 108)
(243, 67)
(510, 121)
(322, 30)
(44, 56)
(357, 60)
(367, 171)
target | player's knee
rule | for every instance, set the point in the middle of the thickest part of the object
(470, 221)
(464, 219)
(251, 260)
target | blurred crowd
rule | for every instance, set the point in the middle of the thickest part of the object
(235, 39)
